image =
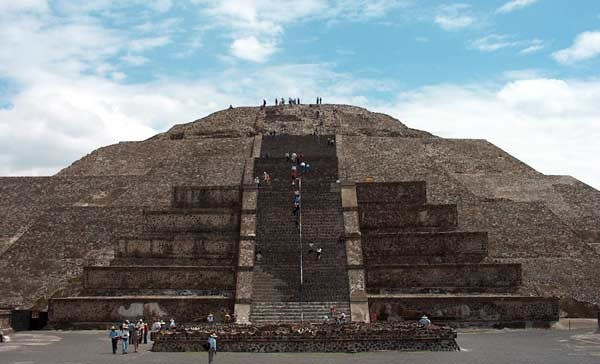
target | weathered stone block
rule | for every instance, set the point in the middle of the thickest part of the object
(101, 312)
(159, 277)
(248, 225)
(482, 310)
(349, 196)
(202, 197)
(246, 254)
(191, 221)
(351, 224)
(244, 285)
(444, 277)
(424, 247)
(401, 193)
(409, 218)
(354, 253)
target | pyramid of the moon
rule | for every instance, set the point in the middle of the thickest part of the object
(407, 223)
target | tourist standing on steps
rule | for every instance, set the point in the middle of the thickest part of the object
(294, 157)
(257, 181)
(311, 248)
(124, 336)
(113, 334)
(287, 156)
(425, 321)
(319, 251)
(212, 347)
(210, 318)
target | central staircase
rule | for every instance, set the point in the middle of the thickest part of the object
(279, 295)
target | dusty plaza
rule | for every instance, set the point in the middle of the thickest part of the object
(578, 345)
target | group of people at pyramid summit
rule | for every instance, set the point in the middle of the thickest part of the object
(291, 101)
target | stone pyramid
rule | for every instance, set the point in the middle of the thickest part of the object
(171, 226)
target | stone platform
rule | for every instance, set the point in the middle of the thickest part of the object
(353, 337)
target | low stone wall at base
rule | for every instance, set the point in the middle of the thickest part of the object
(101, 312)
(355, 337)
(468, 310)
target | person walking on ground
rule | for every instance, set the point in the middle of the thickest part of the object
(276, 101)
(113, 334)
(212, 347)
(264, 102)
(154, 329)
(146, 329)
(124, 336)
(134, 337)
(130, 327)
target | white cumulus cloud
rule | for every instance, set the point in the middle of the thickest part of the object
(251, 49)
(586, 46)
(550, 124)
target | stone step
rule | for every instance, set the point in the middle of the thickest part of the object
(385, 217)
(178, 247)
(424, 247)
(159, 277)
(101, 312)
(468, 309)
(115, 292)
(207, 260)
(405, 193)
(206, 196)
(415, 278)
(183, 220)
(293, 312)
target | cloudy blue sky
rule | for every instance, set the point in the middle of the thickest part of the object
(524, 74)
